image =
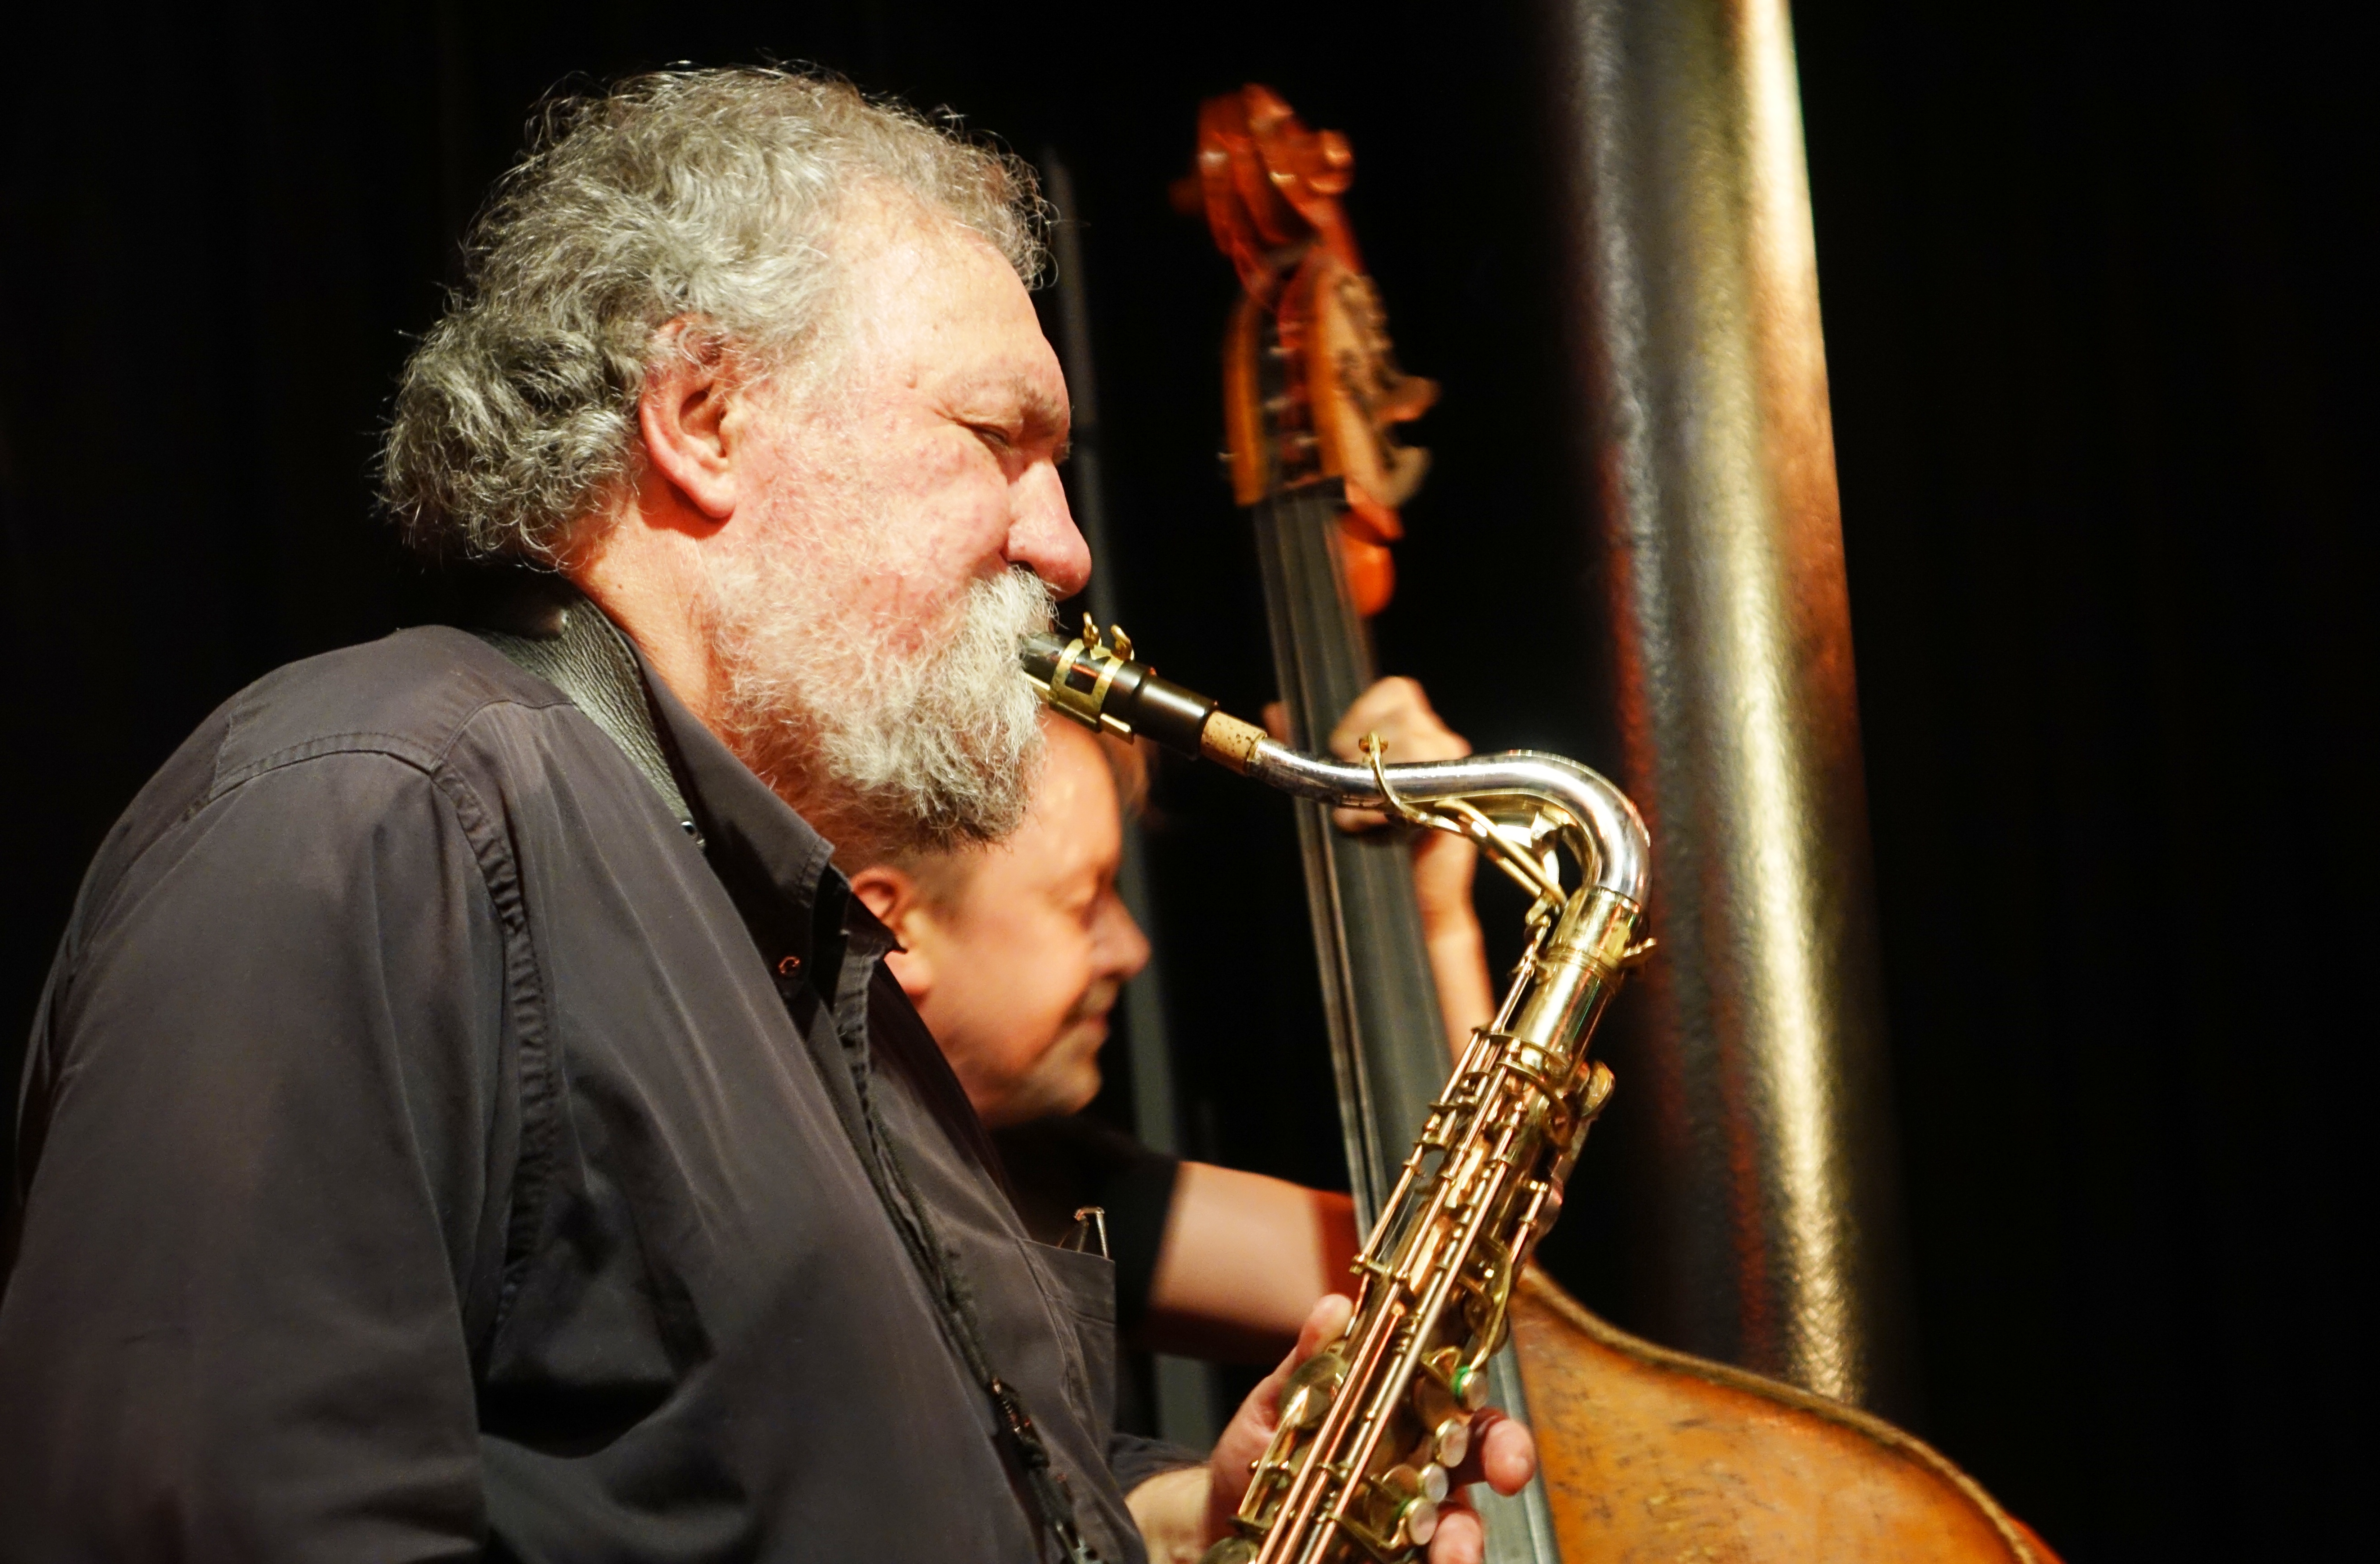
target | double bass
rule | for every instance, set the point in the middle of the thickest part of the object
(1644, 1453)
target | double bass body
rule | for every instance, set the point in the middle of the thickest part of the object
(1647, 1454)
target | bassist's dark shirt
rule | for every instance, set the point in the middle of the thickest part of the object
(428, 1150)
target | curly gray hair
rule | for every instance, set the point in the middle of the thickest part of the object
(704, 194)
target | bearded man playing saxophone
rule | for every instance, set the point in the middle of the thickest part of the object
(466, 1117)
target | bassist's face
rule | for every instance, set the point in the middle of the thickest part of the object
(1017, 966)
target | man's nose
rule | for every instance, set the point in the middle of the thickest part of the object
(1128, 948)
(1041, 532)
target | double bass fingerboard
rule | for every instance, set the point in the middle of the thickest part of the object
(1388, 1046)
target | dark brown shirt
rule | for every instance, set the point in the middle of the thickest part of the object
(429, 1150)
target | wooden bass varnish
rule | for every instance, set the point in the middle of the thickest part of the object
(1644, 1453)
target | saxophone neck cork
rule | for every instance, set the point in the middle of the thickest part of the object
(1229, 742)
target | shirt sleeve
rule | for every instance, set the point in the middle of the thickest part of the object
(263, 1091)
(1135, 1458)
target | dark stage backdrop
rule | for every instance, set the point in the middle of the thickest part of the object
(2096, 345)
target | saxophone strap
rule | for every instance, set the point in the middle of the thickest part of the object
(543, 625)
(938, 1266)
(547, 628)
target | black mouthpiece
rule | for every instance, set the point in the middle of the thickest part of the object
(1152, 708)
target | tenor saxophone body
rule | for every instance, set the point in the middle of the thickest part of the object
(1372, 1424)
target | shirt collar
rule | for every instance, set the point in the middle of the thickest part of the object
(780, 871)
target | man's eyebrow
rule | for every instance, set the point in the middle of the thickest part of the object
(1041, 410)
(1038, 413)
(1045, 413)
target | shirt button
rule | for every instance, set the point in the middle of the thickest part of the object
(788, 967)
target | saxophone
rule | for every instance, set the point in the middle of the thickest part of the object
(1372, 1424)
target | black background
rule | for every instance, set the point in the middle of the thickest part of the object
(2097, 339)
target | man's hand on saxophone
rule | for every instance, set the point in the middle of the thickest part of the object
(1182, 1513)
(1502, 1454)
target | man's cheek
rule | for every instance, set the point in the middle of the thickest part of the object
(948, 473)
(918, 601)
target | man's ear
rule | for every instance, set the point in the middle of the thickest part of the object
(689, 414)
(900, 906)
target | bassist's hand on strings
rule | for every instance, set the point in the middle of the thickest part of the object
(1443, 866)
(1502, 1453)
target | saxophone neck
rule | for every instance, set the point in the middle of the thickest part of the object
(1099, 683)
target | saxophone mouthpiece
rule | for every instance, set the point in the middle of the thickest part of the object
(1099, 685)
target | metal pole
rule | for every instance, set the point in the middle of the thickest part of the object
(1710, 455)
(1185, 1389)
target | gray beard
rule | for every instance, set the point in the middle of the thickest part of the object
(887, 756)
